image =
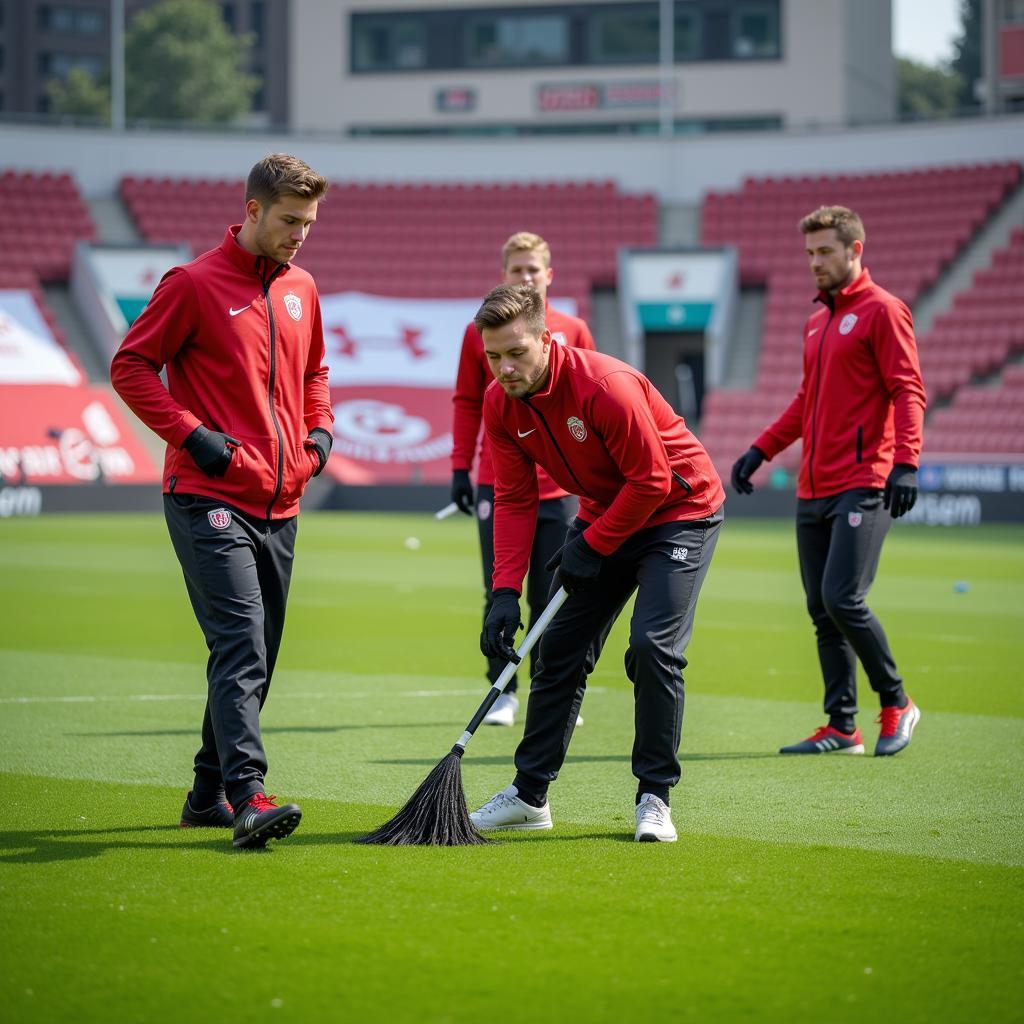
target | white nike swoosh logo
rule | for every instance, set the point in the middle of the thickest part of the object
(235, 312)
(527, 434)
(811, 331)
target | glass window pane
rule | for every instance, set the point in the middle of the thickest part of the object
(385, 45)
(756, 33)
(629, 37)
(687, 36)
(518, 39)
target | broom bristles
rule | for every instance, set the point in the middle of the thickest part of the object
(435, 815)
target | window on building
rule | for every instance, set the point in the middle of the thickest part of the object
(687, 34)
(83, 21)
(256, 16)
(755, 32)
(517, 39)
(228, 13)
(627, 35)
(1012, 11)
(57, 65)
(388, 44)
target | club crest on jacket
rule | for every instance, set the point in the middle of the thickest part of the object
(220, 518)
(577, 428)
(294, 305)
(847, 323)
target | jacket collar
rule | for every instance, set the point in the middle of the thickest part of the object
(848, 295)
(245, 260)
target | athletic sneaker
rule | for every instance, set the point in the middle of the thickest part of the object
(654, 821)
(505, 812)
(828, 741)
(503, 710)
(219, 814)
(897, 728)
(260, 819)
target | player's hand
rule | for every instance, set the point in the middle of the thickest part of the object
(578, 565)
(743, 469)
(211, 450)
(462, 491)
(900, 492)
(320, 442)
(499, 635)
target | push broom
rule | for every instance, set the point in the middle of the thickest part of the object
(436, 814)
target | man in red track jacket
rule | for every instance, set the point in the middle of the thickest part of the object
(526, 259)
(247, 419)
(860, 413)
(650, 513)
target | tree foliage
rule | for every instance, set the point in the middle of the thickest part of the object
(926, 92)
(80, 95)
(967, 53)
(182, 63)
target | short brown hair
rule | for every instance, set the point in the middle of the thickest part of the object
(279, 175)
(849, 228)
(509, 302)
(525, 241)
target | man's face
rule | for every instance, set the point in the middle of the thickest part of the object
(529, 268)
(833, 265)
(518, 358)
(280, 230)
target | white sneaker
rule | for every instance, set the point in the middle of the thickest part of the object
(505, 812)
(654, 821)
(579, 721)
(503, 710)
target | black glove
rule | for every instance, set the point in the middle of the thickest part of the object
(211, 450)
(577, 563)
(743, 468)
(499, 635)
(462, 491)
(320, 441)
(900, 490)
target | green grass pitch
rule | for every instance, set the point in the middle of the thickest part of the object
(833, 888)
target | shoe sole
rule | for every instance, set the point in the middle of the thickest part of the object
(280, 828)
(650, 837)
(915, 717)
(205, 824)
(497, 721)
(858, 749)
(526, 826)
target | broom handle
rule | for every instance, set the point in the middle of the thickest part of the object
(498, 687)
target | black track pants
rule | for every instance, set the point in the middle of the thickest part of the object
(237, 574)
(839, 540)
(553, 518)
(666, 566)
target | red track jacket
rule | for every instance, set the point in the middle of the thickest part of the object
(604, 432)
(243, 357)
(472, 381)
(860, 407)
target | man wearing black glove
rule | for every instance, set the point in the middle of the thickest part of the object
(526, 259)
(649, 518)
(246, 415)
(860, 413)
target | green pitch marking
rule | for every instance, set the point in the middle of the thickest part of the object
(849, 887)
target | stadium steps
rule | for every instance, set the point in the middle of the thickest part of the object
(745, 343)
(679, 224)
(113, 225)
(606, 322)
(77, 336)
(974, 256)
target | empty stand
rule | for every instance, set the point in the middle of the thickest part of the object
(437, 240)
(916, 222)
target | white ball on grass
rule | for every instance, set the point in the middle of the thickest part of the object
(412, 543)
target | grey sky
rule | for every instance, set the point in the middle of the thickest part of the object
(925, 29)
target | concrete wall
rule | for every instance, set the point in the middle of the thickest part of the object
(681, 170)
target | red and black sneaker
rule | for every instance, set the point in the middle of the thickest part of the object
(828, 741)
(897, 728)
(217, 814)
(260, 819)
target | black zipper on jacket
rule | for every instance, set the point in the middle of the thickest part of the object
(860, 444)
(558, 447)
(817, 391)
(266, 282)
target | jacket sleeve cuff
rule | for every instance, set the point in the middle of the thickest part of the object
(184, 428)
